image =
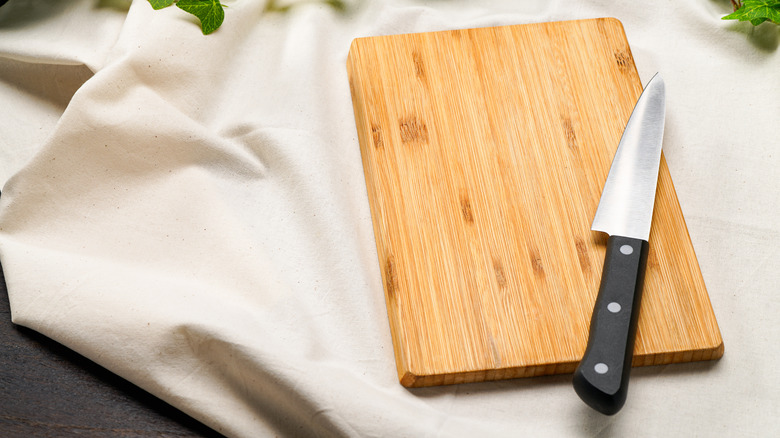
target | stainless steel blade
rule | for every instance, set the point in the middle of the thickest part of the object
(626, 205)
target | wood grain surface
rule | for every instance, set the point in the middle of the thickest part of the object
(47, 390)
(485, 152)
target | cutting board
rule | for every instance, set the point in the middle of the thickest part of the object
(485, 152)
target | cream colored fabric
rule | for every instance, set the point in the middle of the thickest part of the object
(195, 217)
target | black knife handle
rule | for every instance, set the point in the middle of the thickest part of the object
(601, 378)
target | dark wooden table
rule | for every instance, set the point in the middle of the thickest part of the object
(48, 390)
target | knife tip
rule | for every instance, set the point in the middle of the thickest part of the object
(656, 79)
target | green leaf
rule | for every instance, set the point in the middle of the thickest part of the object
(209, 12)
(159, 4)
(757, 11)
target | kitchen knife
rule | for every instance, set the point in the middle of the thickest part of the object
(625, 213)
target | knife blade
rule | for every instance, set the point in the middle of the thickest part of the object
(625, 213)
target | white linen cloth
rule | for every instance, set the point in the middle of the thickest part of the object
(190, 212)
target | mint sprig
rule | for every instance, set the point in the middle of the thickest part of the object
(159, 4)
(209, 12)
(755, 11)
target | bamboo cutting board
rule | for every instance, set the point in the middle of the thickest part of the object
(485, 152)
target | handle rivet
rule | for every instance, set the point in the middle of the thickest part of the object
(601, 368)
(626, 249)
(614, 307)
